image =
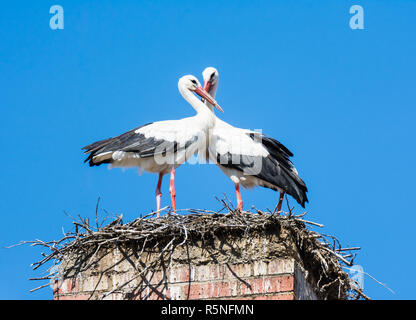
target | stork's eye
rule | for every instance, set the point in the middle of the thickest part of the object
(212, 76)
(194, 81)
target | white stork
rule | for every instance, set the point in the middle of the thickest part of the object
(162, 146)
(250, 158)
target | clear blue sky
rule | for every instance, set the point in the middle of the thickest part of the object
(342, 100)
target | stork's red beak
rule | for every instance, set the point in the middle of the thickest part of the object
(207, 86)
(205, 95)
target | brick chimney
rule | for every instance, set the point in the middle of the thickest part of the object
(271, 263)
(278, 279)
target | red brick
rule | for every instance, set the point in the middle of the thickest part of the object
(147, 293)
(198, 291)
(180, 274)
(227, 289)
(267, 285)
(177, 292)
(259, 268)
(212, 290)
(279, 266)
(272, 280)
(75, 297)
(72, 285)
(155, 277)
(238, 271)
(154, 296)
(284, 283)
(208, 272)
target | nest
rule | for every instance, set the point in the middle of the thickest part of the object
(321, 256)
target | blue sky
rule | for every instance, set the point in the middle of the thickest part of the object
(342, 100)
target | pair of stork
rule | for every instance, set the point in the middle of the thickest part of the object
(247, 157)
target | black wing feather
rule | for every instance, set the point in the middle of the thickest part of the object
(133, 142)
(276, 168)
(128, 142)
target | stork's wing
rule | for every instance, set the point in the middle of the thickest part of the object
(257, 155)
(145, 141)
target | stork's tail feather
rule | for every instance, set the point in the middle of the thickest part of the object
(296, 187)
(284, 179)
(282, 172)
(95, 157)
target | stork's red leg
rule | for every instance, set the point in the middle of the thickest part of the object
(239, 200)
(279, 205)
(172, 189)
(158, 194)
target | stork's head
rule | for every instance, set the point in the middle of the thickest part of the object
(210, 76)
(191, 83)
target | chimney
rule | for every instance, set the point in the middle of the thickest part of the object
(251, 256)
